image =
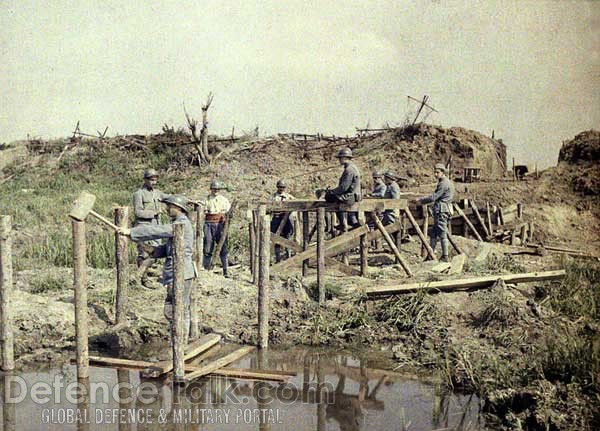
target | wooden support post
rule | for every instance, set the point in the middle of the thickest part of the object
(489, 218)
(256, 265)
(416, 227)
(199, 240)
(178, 335)
(480, 219)
(531, 230)
(81, 304)
(514, 173)
(344, 230)
(524, 237)
(6, 289)
(388, 239)
(252, 246)
(500, 216)
(305, 239)
(519, 210)
(468, 222)
(513, 237)
(321, 254)
(122, 259)
(263, 278)
(364, 249)
(426, 227)
(453, 243)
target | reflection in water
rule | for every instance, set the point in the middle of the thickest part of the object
(330, 392)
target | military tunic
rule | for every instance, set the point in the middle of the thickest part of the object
(348, 191)
(288, 228)
(392, 191)
(442, 210)
(148, 232)
(378, 190)
(146, 208)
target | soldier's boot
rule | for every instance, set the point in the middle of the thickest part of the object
(353, 220)
(432, 244)
(225, 265)
(445, 247)
(277, 254)
(206, 260)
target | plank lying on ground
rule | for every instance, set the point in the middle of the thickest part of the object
(239, 373)
(193, 350)
(560, 249)
(219, 363)
(466, 283)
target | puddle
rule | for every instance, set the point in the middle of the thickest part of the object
(331, 391)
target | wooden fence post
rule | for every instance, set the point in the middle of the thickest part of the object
(426, 227)
(6, 288)
(364, 248)
(178, 335)
(263, 277)
(122, 259)
(321, 254)
(256, 227)
(305, 238)
(81, 304)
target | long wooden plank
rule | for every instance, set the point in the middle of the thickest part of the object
(193, 350)
(468, 222)
(219, 363)
(367, 205)
(466, 283)
(120, 363)
(420, 234)
(479, 218)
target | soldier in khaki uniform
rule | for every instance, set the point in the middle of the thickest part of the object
(288, 229)
(348, 190)
(378, 185)
(216, 208)
(146, 207)
(177, 210)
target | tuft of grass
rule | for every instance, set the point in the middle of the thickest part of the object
(494, 264)
(49, 282)
(406, 312)
(500, 307)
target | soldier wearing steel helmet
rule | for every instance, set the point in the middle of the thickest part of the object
(216, 208)
(177, 211)
(277, 218)
(441, 208)
(348, 190)
(146, 207)
(378, 185)
(392, 191)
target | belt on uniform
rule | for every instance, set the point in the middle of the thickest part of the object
(214, 218)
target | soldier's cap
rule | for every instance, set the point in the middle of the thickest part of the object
(345, 152)
(150, 173)
(179, 201)
(440, 167)
(377, 174)
(281, 184)
(390, 174)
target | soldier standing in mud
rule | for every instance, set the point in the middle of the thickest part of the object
(146, 207)
(288, 229)
(177, 211)
(348, 190)
(441, 208)
(378, 185)
(216, 208)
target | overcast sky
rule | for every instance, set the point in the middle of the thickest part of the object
(528, 70)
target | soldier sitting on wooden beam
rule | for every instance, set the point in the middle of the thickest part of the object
(288, 228)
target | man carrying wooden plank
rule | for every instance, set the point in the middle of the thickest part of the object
(216, 208)
(441, 208)
(348, 190)
(177, 210)
(279, 218)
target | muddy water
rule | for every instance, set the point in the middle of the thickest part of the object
(331, 391)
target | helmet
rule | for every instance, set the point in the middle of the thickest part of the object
(177, 200)
(390, 174)
(377, 174)
(149, 173)
(440, 167)
(345, 152)
(281, 184)
(216, 185)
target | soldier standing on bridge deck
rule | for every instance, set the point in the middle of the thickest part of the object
(216, 208)
(392, 191)
(146, 207)
(441, 209)
(378, 185)
(348, 190)
(177, 210)
(288, 229)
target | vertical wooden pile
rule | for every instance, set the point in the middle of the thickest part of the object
(6, 288)
(179, 337)
(263, 276)
(122, 259)
(81, 304)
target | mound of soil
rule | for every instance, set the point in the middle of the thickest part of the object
(578, 163)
